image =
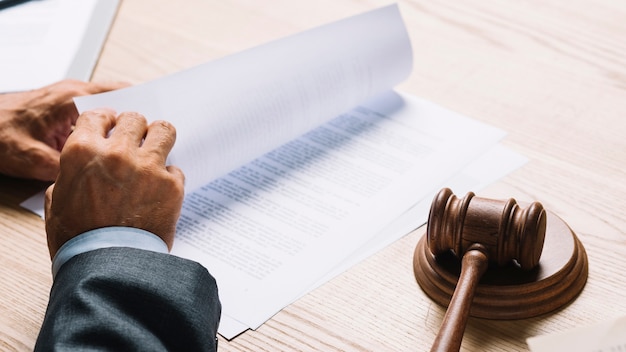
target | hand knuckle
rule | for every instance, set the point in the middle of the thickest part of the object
(77, 147)
(117, 155)
(133, 115)
(174, 184)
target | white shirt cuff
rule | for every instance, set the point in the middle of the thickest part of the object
(106, 237)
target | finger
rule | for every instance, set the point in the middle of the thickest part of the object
(130, 128)
(61, 94)
(70, 88)
(100, 87)
(94, 123)
(48, 201)
(160, 139)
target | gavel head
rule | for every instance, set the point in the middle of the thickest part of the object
(503, 230)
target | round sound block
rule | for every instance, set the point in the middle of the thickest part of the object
(507, 292)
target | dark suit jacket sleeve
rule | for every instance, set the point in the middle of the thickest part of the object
(126, 299)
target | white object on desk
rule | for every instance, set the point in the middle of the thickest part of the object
(49, 40)
(606, 336)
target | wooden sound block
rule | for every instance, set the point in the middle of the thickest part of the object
(507, 292)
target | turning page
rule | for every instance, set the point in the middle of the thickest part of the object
(229, 111)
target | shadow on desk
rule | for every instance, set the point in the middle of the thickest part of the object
(14, 191)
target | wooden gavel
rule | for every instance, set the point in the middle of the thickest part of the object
(480, 231)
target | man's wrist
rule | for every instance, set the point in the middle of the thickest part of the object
(106, 237)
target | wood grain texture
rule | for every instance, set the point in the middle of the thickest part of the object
(450, 335)
(551, 73)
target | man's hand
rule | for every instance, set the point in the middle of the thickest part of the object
(113, 173)
(35, 124)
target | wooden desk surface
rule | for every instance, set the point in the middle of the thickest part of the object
(551, 73)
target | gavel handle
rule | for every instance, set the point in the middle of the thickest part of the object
(450, 334)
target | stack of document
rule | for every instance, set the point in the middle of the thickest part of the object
(300, 158)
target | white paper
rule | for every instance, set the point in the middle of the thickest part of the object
(230, 328)
(45, 41)
(607, 336)
(35, 203)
